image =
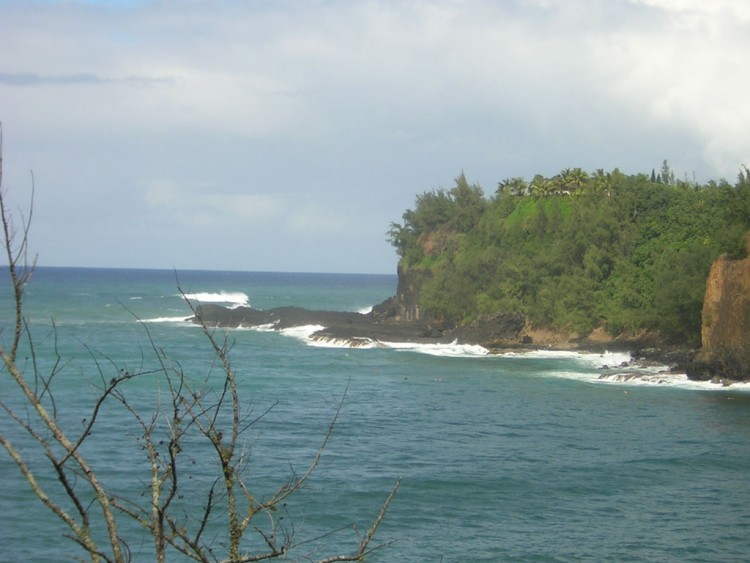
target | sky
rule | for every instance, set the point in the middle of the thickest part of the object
(287, 135)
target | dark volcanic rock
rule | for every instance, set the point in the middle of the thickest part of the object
(338, 325)
(280, 317)
(497, 330)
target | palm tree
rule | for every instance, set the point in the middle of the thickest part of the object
(514, 186)
(577, 180)
(601, 182)
(561, 182)
(541, 186)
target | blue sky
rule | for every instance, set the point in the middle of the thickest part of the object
(287, 135)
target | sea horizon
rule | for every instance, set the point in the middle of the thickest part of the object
(222, 270)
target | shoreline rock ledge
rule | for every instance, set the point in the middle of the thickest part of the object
(381, 324)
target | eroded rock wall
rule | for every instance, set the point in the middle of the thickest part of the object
(406, 301)
(725, 332)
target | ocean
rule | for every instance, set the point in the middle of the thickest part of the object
(543, 456)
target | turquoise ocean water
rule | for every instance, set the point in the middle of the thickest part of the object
(525, 457)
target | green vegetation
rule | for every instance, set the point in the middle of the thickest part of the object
(575, 251)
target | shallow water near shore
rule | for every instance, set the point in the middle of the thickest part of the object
(541, 456)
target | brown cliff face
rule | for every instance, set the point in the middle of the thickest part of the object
(725, 332)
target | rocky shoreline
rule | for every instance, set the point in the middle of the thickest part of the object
(498, 333)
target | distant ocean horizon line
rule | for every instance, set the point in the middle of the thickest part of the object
(4, 267)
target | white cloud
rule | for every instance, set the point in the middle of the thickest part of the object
(686, 72)
(248, 107)
(313, 219)
(735, 9)
(207, 208)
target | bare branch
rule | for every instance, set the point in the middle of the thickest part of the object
(81, 533)
(190, 411)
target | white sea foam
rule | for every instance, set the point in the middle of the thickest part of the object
(181, 319)
(646, 376)
(664, 378)
(325, 342)
(364, 310)
(235, 298)
(611, 359)
(270, 327)
(303, 332)
(453, 349)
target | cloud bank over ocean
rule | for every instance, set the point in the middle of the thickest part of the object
(288, 135)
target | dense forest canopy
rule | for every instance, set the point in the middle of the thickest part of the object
(577, 250)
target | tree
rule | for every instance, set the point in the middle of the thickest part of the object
(74, 488)
(576, 180)
(541, 186)
(601, 183)
(516, 186)
(467, 205)
(666, 176)
(743, 176)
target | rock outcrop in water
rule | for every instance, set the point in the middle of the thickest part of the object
(337, 325)
(384, 324)
(725, 332)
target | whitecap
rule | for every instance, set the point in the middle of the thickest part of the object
(453, 349)
(644, 377)
(270, 327)
(354, 342)
(235, 298)
(181, 319)
(594, 359)
(653, 378)
(303, 332)
(647, 376)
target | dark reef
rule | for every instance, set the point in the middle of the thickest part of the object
(381, 324)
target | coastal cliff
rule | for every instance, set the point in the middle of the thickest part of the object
(577, 261)
(404, 306)
(725, 331)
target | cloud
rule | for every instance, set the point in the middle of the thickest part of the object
(208, 208)
(324, 118)
(297, 70)
(30, 79)
(699, 8)
(314, 219)
(686, 71)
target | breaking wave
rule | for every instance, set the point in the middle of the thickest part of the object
(233, 298)
(453, 349)
(592, 359)
(618, 368)
(180, 319)
(652, 377)
(303, 332)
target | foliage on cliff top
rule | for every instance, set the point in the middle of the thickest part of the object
(577, 250)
